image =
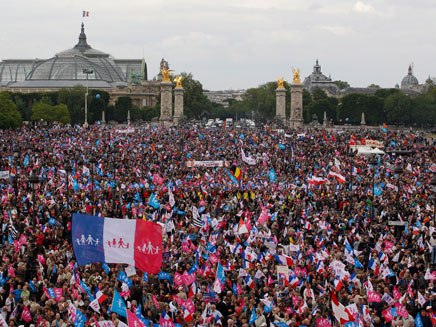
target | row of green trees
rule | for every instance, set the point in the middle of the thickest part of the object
(385, 106)
(67, 106)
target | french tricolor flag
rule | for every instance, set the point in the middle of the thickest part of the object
(249, 281)
(85, 13)
(338, 285)
(134, 242)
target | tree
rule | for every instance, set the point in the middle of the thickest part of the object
(342, 84)
(74, 99)
(9, 115)
(398, 108)
(318, 94)
(122, 106)
(352, 106)
(195, 103)
(373, 86)
(329, 106)
(307, 102)
(424, 109)
(48, 113)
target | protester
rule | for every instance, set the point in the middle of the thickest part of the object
(260, 227)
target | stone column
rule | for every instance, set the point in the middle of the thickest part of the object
(362, 121)
(281, 104)
(324, 121)
(128, 117)
(166, 101)
(103, 120)
(296, 120)
(178, 104)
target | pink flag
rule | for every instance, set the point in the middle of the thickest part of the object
(178, 279)
(397, 294)
(25, 315)
(41, 259)
(133, 321)
(190, 306)
(374, 297)
(157, 179)
(165, 322)
(11, 271)
(401, 310)
(58, 293)
(387, 314)
(270, 280)
(153, 298)
(322, 322)
(23, 239)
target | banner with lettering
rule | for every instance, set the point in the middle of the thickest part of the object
(134, 242)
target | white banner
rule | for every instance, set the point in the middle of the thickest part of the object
(4, 174)
(248, 160)
(216, 163)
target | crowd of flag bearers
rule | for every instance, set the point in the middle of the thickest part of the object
(201, 227)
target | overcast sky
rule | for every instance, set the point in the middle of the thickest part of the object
(236, 43)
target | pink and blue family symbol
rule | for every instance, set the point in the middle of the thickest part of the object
(135, 242)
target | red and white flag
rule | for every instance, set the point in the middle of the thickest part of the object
(341, 313)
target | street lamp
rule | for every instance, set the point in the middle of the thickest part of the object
(33, 180)
(433, 186)
(92, 161)
(373, 162)
(68, 169)
(398, 171)
(87, 72)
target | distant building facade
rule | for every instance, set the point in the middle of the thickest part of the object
(222, 97)
(317, 80)
(85, 66)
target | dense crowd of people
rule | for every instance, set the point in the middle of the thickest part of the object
(307, 231)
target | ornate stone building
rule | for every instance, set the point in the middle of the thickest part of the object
(85, 66)
(317, 80)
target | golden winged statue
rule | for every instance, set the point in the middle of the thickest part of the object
(178, 81)
(280, 82)
(166, 74)
(296, 78)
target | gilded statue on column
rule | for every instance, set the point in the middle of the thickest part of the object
(280, 82)
(296, 78)
(166, 74)
(178, 81)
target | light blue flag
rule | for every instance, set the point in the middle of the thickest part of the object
(145, 277)
(123, 277)
(418, 321)
(80, 319)
(252, 317)
(377, 190)
(272, 175)
(26, 161)
(357, 263)
(106, 268)
(153, 201)
(220, 274)
(118, 305)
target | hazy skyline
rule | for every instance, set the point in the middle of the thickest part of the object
(236, 44)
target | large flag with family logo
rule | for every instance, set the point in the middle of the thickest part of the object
(135, 242)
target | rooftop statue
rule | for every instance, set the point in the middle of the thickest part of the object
(280, 82)
(296, 78)
(178, 81)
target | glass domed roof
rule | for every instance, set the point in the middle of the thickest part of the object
(70, 64)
